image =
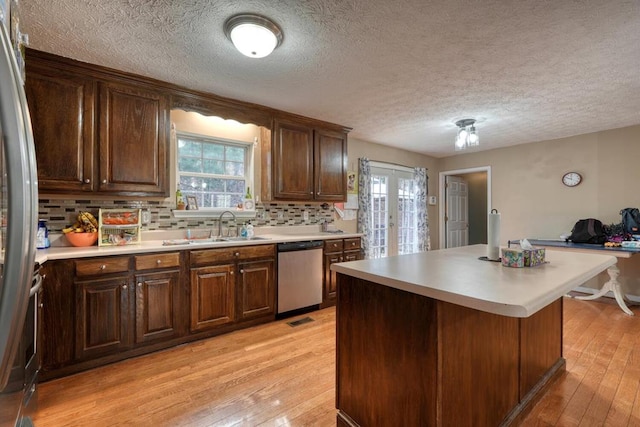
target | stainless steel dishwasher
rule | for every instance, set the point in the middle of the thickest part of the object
(299, 276)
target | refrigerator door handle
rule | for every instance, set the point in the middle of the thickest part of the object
(21, 198)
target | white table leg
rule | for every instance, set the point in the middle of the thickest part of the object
(614, 286)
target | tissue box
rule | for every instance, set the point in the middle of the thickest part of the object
(512, 257)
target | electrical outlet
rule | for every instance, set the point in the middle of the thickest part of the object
(305, 215)
(280, 215)
(146, 217)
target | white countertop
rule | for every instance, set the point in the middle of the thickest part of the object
(459, 277)
(153, 242)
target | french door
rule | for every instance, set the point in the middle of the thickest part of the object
(393, 213)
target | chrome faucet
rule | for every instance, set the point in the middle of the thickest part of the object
(220, 222)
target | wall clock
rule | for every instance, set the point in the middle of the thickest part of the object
(571, 179)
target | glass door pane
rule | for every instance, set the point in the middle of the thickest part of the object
(380, 216)
(407, 219)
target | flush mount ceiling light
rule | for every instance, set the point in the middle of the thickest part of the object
(467, 135)
(253, 35)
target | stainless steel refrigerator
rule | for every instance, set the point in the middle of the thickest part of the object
(18, 222)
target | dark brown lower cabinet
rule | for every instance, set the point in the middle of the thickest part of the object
(104, 309)
(212, 296)
(337, 250)
(257, 290)
(156, 306)
(102, 313)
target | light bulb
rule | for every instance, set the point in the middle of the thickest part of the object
(473, 139)
(253, 40)
(461, 139)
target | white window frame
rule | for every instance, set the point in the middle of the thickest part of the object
(248, 175)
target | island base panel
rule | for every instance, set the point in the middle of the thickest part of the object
(405, 359)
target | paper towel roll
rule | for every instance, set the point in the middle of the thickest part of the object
(493, 236)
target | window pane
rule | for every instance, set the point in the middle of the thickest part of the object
(213, 151)
(235, 154)
(234, 169)
(235, 186)
(189, 164)
(189, 148)
(213, 167)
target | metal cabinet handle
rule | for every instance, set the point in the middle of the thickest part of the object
(124, 287)
(231, 273)
(104, 181)
(335, 245)
(139, 284)
(103, 266)
(41, 305)
(158, 262)
(237, 253)
(87, 181)
(241, 271)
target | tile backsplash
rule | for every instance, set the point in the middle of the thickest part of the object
(61, 213)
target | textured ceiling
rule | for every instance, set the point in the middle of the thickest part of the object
(398, 72)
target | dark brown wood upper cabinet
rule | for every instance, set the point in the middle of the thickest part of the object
(330, 165)
(293, 162)
(133, 140)
(307, 164)
(96, 131)
(62, 106)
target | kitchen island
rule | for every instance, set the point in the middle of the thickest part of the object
(442, 338)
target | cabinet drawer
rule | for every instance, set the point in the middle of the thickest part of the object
(147, 262)
(212, 256)
(209, 256)
(351, 244)
(333, 245)
(99, 266)
(261, 251)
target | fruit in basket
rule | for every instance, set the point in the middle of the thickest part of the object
(85, 223)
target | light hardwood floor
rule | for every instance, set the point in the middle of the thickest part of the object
(276, 375)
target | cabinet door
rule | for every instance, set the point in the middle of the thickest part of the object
(330, 278)
(133, 140)
(62, 108)
(330, 166)
(292, 162)
(257, 288)
(212, 296)
(156, 311)
(102, 317)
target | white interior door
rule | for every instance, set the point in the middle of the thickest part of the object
(457, 212)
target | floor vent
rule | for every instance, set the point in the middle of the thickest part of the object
(300, 321)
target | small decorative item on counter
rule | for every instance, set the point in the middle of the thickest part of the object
(247, 203)
(250, 232)
(180, 204)
(119, 227)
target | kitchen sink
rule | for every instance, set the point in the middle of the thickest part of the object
(181, 242)
(242, 239)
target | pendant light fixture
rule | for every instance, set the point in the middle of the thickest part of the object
(253, 35)
(467, 135)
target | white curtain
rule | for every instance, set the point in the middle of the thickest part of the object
(364, 205)
(421, 182)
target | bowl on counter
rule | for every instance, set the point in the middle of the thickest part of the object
(82, 239)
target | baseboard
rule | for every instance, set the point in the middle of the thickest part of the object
(592, 291)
